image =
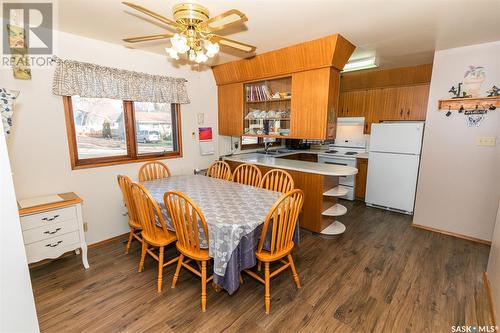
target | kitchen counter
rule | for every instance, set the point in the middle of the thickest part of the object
(300, 166)
(363, 155)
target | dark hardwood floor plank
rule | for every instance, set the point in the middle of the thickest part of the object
(381, 275)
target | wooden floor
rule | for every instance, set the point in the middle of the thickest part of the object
(382, 275)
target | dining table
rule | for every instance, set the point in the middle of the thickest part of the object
(234, 214)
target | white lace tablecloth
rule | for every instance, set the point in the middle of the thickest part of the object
(231, 210)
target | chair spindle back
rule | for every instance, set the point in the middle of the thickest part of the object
(153, 170)
(282, 219)
(277, 180)
(220, 170)
(187, 219)
(247, 174)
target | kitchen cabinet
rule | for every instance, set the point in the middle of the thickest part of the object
(230, 100)
(314, 101)
(382, 104)
(352, 103)
(420, 97)
(301, 157)
(360, 189)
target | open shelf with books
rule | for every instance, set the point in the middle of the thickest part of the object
(267, 107)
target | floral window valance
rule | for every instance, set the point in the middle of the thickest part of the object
(73, 78)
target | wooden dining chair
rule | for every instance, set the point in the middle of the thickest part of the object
(125, 184)
(219, 169)
(277, 180)
(155, 234)
(279, 228)
(247, 174)
(188, 219)
(154, 170)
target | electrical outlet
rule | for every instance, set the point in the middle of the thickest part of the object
(486, 141)
(236, 145)
(85, 227)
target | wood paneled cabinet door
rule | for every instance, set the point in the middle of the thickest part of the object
(420, 97)
(310, 104)
(373, 108)
(352, 103)
(230, 101)
(360, 188)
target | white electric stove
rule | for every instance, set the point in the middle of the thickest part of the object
(344, 152)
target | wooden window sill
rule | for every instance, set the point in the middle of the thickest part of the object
(124, 160)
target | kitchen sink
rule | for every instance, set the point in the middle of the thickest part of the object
(274, 152)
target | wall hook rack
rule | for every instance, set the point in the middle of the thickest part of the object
(469, 105)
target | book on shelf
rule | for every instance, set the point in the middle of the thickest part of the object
(258, 93)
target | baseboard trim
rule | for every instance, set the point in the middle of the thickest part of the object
(472, 239)
(106, 241)
(487, 286)
(70, 253)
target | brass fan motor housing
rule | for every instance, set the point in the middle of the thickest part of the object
(190, 13)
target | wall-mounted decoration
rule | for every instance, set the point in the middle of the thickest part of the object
(457, 91)
(17, 44)
(474, 109)
(473, 79)
(7, 98)
(494, 91)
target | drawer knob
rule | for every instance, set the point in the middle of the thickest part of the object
(54, 245)
(50, 218)
(52, 232)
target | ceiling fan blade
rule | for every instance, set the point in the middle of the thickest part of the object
(224, 20)
(148, 12)
(234, 44)
(147, 38)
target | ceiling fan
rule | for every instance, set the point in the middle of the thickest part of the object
(195, 31)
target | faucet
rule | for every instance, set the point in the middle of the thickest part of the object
(268, 142)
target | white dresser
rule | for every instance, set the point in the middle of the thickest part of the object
(52, 229)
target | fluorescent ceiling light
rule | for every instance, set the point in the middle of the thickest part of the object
(359, 64)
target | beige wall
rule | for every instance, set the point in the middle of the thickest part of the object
(458, 185)
(39, 148)
(17, 305)
(494, 266)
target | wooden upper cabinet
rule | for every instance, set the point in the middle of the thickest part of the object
(373, 109)
(420, 97)
(312, 101)
(230, 100)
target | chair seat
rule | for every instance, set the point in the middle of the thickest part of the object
(266, 256)
(202, 255)
(162, 238)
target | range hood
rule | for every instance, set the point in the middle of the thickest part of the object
(357, 121)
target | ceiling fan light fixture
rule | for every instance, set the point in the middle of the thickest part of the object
(179, 43)
(212, 48)
(200, 57)
(172, 53)
(195, 31)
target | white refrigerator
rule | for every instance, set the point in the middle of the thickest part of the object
(393, 164)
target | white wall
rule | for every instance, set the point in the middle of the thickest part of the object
(494, 266)
(17, 306)
(458, 185)
(39, 147)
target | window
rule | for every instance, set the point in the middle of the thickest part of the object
(251, 142)
(105, 131)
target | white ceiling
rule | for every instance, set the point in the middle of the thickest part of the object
(400, 32)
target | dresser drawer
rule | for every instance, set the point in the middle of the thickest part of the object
(48, 218)
(49, 231)
(53, 247)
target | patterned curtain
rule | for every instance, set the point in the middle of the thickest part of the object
(73, 78)
(7, 98)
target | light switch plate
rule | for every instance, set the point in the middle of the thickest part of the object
(486, 141)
